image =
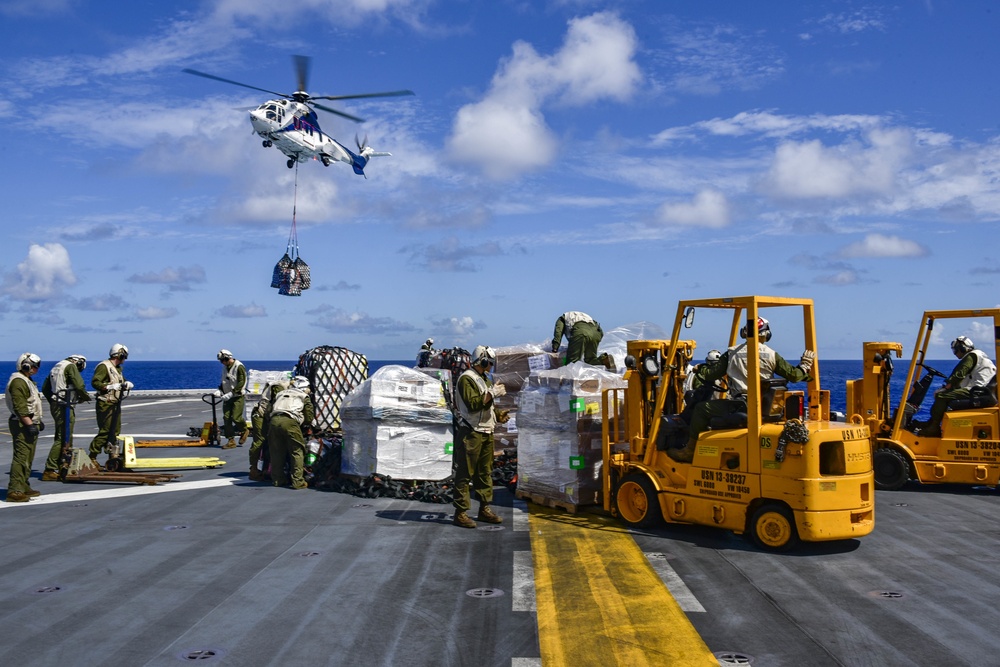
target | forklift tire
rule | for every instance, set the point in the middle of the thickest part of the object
(892, 470)
(636, 501)
(772, 528)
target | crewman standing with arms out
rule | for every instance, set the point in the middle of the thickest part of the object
(63, 386)
(110, 383)
(583, 335)
(25, 405)
(291, 412)
(231, 390)
(472, 458)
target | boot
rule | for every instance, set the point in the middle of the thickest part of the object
(243, 437)
(462, 519)
(18, 497)
(930, 432)
(487, 515)
(50, 476)
(256, 475)
(230, 444)
(609, 362)
(94, 462)
(683, 455)
(31, 493)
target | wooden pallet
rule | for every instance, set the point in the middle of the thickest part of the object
(539, 499)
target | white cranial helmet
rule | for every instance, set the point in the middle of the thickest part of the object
(28, 361)
(224, 355)
(79, 360)
(484, 355)
(300, 382)
(118, 351)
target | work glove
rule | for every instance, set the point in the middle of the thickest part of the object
(806, 361)
(499, 390)
(217, 393)
(555, 347)
(127, 386)
(226, 396)
(31, 431)
(504, 416)
(114, 386)
(41, 426)
(83, 397)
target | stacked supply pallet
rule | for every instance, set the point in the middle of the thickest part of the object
(514, 365)
(559, 434)
(397, 423)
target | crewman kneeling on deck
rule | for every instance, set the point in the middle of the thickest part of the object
(733, 363)
(259, 421)
(25, 405)
(63, 388)
(231, 390)
(472, 457)
(291, 412)
(973, 371)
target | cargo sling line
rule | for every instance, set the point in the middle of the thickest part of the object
(291, 273)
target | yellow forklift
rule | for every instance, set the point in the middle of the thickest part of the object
(967, 451)
(781, 472)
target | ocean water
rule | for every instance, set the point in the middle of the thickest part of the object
(153, 375)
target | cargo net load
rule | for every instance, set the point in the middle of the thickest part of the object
(291, 273)
(333, 372)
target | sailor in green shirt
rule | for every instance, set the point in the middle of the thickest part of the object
(110, 383)
(63, 387)
(973, 371)
(25, 405)
(231, 390)
(733, 364)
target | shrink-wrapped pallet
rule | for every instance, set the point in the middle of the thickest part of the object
(397, 423)
(559, 433)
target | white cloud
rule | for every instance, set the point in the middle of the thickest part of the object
(252, 310)
(336, 320)
(334, 12)
(809, 169)
(505, 133)
(155, 313)
(43, 274)
(879, 245)
(709, 208)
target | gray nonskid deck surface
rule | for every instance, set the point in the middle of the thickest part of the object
(253, 574)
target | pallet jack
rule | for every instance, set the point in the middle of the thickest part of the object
(207, 435)
(75, 464)
(121, 451)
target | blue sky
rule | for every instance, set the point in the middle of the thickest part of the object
(610, 157)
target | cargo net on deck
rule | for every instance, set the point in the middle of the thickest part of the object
(332, 373)
(291, 273)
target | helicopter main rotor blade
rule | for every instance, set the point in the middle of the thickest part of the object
(338, 113)
(393, 93)
(235, 83)
(302, 71)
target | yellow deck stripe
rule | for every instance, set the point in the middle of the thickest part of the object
(599, 601)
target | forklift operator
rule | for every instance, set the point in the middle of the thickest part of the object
(975, 370)
(733, 363)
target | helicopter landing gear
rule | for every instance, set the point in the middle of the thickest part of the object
(267, 143)
(290, 163)
(325, 159)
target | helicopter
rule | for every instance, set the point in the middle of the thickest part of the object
(291, 125)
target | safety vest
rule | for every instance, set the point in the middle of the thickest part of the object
(229, 379)
(981, 373)
(737, 368)
(34, 403)
(290, 402)
(483, 421)
(57, 378)
(115, 376)
(574, 317)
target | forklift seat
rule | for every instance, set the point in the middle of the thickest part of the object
(772, 401)
(982, 397)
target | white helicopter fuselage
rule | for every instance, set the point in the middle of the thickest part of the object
(292, 128)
